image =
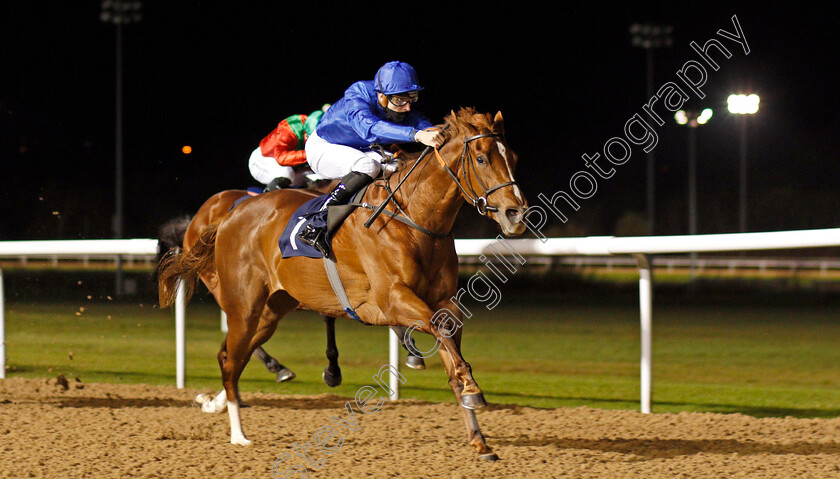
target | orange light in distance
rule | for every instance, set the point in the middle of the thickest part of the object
(187, 149)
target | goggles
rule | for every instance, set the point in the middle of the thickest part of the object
(404, 99)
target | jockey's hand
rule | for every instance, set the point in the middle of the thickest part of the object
(430, 138)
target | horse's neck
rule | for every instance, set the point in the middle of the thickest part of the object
(434, 199)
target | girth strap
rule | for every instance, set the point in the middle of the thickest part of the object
(338, 288)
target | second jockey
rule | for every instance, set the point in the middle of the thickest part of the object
(280, 160)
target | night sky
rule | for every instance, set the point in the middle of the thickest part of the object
(218, 76)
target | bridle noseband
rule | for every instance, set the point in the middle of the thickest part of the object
(467, 161)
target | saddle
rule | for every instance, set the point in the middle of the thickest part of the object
(310, 213)
(252, 191)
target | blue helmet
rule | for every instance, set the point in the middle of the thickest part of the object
(396, 77)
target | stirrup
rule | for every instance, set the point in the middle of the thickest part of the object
(315, 238)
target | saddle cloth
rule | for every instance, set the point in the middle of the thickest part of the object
(307, 213)
(252, 191)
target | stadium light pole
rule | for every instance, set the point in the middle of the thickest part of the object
(692, 119)
(650, 37)
(742, 105)
(119, 13)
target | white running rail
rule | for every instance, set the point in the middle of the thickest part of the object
(642, 246)
(639, 247)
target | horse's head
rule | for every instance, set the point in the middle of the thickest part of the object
(484, 168)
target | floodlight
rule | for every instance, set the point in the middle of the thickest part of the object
(705, 115)
(743, 104)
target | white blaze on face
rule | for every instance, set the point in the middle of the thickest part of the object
(503, 152)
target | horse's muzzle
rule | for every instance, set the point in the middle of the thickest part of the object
(514, 215)
(511, 221)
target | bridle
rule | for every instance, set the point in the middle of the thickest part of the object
(468, 164)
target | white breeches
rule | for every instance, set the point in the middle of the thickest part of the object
(265, 168)
(334, 161)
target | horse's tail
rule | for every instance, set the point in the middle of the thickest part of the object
(171, 234)
(186, 267)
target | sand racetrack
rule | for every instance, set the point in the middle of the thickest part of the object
(107, 430)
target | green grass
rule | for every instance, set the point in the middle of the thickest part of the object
(758, 360)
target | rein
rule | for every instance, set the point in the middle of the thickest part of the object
(381, 207)
(401, 217)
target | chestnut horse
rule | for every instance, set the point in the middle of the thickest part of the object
(184, 233)
(394, 274)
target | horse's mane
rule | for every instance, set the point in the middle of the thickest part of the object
(465, 121)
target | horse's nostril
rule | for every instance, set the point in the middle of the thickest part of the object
(513, 215)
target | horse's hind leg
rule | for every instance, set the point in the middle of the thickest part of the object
(241, 346)
(412, 360)
(218, 403)
(233, 358)
(250, 324)
(283, 373)
(332, 373)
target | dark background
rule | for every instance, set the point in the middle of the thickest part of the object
(219, 76)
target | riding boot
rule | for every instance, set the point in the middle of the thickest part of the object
(351, 184)
(278, 183)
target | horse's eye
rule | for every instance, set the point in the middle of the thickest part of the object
(481, 159)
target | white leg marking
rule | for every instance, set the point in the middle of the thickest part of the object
(236, 435)
(215, 405)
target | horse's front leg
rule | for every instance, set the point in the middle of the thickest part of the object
(474, 436)
(445, 326)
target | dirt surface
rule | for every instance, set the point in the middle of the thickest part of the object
(51, 428)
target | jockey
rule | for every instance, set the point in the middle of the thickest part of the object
(370, 112)
(279, 161)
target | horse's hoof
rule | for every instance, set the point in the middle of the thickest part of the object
(415, 362)
(274, 366)
(208, 403)
(489, 457)
(330, 379)
(212, 408)
(240, 440)
(473, 401)
(284, 375)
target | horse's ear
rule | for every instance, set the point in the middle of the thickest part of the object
(499, 124)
